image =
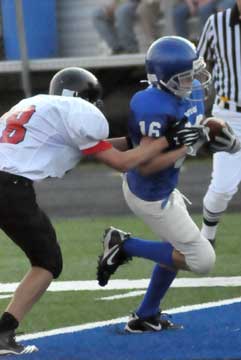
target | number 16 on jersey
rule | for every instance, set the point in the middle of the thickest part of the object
(152, 130)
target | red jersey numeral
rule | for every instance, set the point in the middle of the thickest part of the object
(15, 131)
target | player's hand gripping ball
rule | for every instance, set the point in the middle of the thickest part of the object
(221, 135)
(215, 127)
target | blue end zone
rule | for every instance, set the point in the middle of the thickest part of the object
(208, 334)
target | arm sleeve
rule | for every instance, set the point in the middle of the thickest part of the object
(206, 40)
(86, 129)
(101, 146)
(156, 125)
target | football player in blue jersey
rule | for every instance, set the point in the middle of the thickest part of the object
(174, 98)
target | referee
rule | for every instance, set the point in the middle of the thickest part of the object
(220, 45)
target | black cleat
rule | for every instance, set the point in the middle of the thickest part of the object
(8, 345)
(154, 323)
(113, 255)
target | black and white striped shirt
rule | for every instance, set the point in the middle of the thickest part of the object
(220, 44)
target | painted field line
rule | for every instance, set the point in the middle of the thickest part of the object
(131, 284)
(5, 296)
(71, 329)
(123, 296)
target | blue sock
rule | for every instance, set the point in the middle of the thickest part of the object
(160, 282)
(160, 252)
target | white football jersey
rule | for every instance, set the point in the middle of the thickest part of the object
(43, 135)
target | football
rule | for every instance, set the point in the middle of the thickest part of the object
(215, 126)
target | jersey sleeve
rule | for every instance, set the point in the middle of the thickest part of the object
(87, 128)
(207, 37)
(101, 146)
(154, 126)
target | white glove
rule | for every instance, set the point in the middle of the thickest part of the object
(228, 141)
(193, 149)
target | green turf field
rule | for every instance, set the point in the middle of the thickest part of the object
(80, 242)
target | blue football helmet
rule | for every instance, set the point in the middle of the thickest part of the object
(172, 62)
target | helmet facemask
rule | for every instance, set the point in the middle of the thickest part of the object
(182, 84)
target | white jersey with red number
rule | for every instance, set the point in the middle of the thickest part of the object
(45, 135)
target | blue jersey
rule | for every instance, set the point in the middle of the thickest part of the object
(152, 111)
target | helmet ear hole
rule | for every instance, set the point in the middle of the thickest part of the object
(76, 82)
(99, 104)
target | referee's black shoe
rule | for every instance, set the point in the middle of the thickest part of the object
(8, 345)
(113, 255)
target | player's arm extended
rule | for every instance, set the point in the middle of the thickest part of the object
(162, 160)
(125, 160)
(121, 143)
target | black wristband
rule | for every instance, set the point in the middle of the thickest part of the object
(129, 142)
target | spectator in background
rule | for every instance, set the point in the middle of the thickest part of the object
(149, 14)
(201, 8)
(225, 4)
(115, 23)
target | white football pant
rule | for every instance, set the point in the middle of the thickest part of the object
(174, 224)
(226, 173)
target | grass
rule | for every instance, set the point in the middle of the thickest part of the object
(80, 242)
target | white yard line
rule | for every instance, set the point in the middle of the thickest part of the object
(122, 284)
(122, 296)
(5, 296)
(71, 329)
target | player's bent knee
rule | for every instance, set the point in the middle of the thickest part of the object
(206, 264)
(217, 202)
(52, 261)
(56, 265)
(204, 260)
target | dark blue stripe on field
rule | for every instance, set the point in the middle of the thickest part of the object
(208, 334)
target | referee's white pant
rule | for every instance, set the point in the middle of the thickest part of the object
(226, 172)
(174, 224)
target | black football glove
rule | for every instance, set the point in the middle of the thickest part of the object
(194, 139)
(171, 132)
(186, 135)
(189, 135)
